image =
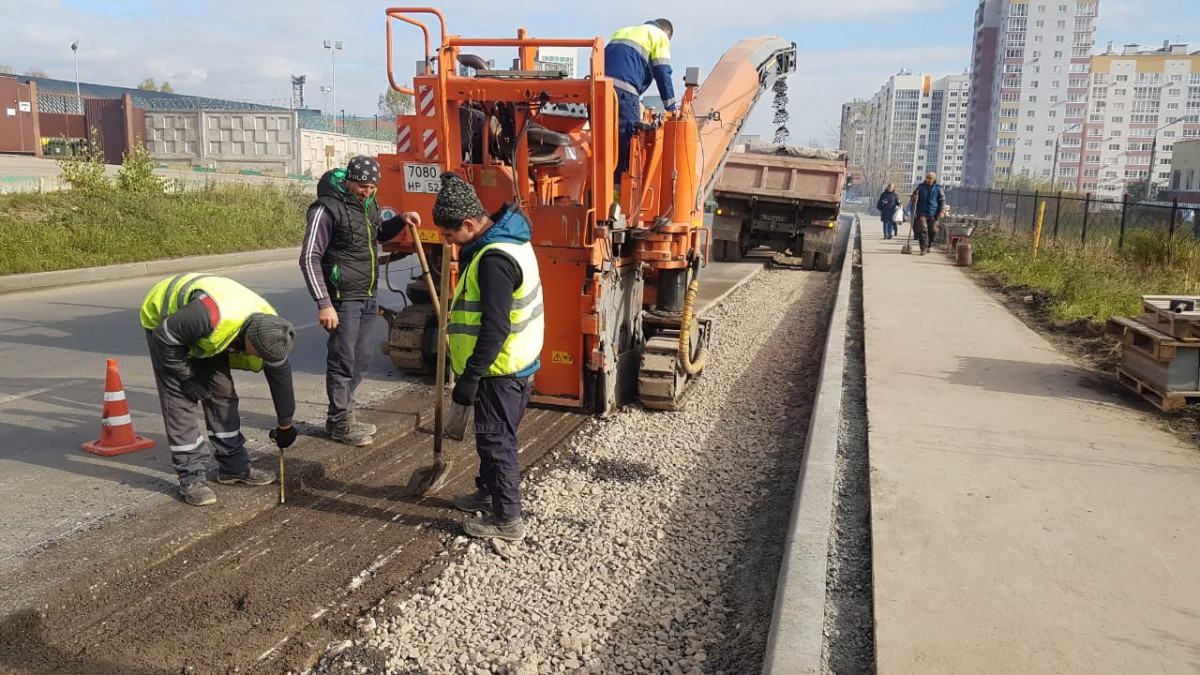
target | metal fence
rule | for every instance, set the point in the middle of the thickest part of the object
(376, 128)
(1086, 220)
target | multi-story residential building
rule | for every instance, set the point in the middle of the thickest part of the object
(1029, 78)
(915, 124)
(852, 135)
(1141, 102)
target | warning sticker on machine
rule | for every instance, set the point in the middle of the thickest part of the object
(562, 357)
(422, 178)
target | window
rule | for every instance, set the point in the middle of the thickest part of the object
(1031, 113)
(1062, 24)
(1040, 24)
(1060, 38)
(1122, 78)
(1053, 113)
(1093, 145)
(1026, 158)
(1029, 129)
(1057, 69)
(1033, 98)
(1037, 39)
(1175, 79)
(1114, 146)
(1050, 129)
(1058, 53)
(1174, 92)
(1062, 9)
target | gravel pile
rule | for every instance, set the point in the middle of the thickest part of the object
(654, 538)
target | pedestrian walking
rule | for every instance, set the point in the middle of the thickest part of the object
(887, 204)
(634, 57)
(929, 205)
(496, 331)
(199, 327)
(339, 261)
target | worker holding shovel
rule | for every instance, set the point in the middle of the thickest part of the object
(495, 331)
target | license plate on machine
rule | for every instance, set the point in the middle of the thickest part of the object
(775, 217)
(422, 178)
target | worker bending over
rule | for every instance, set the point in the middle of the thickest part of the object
(496, 330)
(199, 327)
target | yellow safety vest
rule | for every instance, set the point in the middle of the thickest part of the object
(235, 304)
(528, 326)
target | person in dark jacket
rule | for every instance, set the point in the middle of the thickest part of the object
(340, 267)
(888, 202)
(496, 330)
(929, 205)
(634, 57)
(198, 327)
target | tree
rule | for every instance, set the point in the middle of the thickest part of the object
(1138, 190)
(393, 103)
(166, 88)
(36, 72)
(148, 85)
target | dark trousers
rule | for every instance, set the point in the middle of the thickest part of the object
(889, 228)
(348, 356)
(499, 407)
(629, 113)
(926, 230)
(189, 453)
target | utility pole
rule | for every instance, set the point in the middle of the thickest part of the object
(334, 46)
(75, 51)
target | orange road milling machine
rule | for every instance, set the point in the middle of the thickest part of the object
(619, 276)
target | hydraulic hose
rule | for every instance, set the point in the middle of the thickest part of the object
(685, 334)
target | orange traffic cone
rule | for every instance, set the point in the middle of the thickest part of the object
(116, 427)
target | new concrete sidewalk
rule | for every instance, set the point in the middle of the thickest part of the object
(1022, 520)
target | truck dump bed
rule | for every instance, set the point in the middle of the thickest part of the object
(807, 175)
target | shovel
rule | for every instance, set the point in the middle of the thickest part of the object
(429, 478)
(907, 248)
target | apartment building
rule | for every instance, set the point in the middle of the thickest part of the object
(915, 124)
(1029, 77)
(852, 134)
(1141, 103)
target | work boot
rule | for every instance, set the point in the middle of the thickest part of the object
(355, 426)
(198, 493)
(473, 502)
(251, 477)
(488, 528)
(349, 434)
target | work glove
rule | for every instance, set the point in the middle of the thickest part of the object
(464, 391)
(195, 391)
(283, 437)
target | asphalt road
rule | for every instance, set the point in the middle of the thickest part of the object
(54, 344)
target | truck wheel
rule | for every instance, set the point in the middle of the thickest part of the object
(728, 251)
(808, 260)
(821, 262)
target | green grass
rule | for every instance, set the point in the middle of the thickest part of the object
(68, 230)
(1096, 281)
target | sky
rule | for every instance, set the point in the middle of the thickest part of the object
(249, 49)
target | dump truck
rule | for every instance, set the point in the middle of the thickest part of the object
(784, 197)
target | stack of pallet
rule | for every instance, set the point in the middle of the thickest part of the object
(1160, 350)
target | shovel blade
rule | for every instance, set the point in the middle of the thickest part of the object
(428, 479)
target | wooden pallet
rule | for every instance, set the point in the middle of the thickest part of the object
(1135, 334)
(1156, 312)
(1166, 402)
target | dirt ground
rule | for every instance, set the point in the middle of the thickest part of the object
(268, 594)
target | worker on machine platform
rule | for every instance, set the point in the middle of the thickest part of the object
(634, 57)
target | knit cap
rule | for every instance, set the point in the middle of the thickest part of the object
(272, 336)
(363, 169)
(456, 202)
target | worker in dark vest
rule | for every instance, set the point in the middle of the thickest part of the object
(199, 327)
(634, 57)
(496, 329)
(339, 262)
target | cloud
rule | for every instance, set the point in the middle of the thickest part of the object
(249, 50)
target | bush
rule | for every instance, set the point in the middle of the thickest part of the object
(86, 171)
(137, 171)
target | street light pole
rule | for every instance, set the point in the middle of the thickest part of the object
(334, 46)
(75, 51)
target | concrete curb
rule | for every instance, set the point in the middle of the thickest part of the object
(26, 282)
(797, 634)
